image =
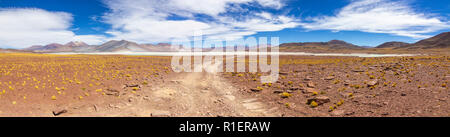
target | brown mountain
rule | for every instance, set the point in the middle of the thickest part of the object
(437, 42)
(120, 46)
(110, 46)
(393, 44)
(330, 45)
(160, 47)
(12, 51)
(55, 47)
(76, 44)
(49, 47)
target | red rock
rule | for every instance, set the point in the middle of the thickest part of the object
(311, 84)
(319, 100)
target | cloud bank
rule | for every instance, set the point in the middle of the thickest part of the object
(23, 27)
(379, 16)
(157, 20)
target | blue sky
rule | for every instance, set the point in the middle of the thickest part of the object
(363, 22)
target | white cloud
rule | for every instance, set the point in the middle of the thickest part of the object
(149, 20)
(276, 4)
(23, 27)
(379, 16)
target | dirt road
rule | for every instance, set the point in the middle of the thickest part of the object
(183, 95)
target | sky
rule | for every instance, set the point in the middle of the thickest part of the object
(24, 23)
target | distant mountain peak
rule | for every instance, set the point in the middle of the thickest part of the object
(118, 46)
(76, 44)
(330, 45)
(337, 42)
(392, 44)
(437, 42)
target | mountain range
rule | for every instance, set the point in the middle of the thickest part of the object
(441, 41)
(330, 45)
(437, 42)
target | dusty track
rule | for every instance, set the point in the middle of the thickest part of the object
(205, 94)
(183, 95)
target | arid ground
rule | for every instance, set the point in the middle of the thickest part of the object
(145, 86)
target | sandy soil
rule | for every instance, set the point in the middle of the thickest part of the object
(124, 86)
(355, 87)
(171, 95)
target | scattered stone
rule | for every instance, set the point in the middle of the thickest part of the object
(345, 94)
(403, 94)
(278, 91)
(114, 106)
(283, 73)
(447, 78)
(256, 89)
(319, 100)
(308, 78)
(310, 91)
(132, 85)
(124, 86)
(337, 112)
(419, 112)
(329, 78)
(311, 84)
(358, 70)
(219, 100)
(112, 92)
(59, 112)
(95, 108)
(349, 113)
(436, 107)
(347, 82)
(175, 81)
(372, 83)
(294, 88)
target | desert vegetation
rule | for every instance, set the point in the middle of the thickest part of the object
(32, 82)
(54, 85)
(351, 86)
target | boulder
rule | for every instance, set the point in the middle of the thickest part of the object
(308, 78)
(319, 100)
(278, 91)
(256, 89)
(329, 78)
(283, 73)
(372, 83)
(311, 84)
(310, 91)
